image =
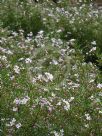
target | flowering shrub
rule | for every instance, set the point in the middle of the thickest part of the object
(47, 88)
(24, 15)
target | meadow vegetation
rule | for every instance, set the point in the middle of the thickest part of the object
(50, 69)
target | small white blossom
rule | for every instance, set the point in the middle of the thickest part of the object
(49, 76)
(34, 80)
(87, 116)
(18, 125)
(60, 133)
(16, 69)
(4, 58)
(28, 40)
(58, 31)
(72, 40)
(67, 105)
(14, 34)
(41, 32)
(72, 51)
(25, 100)
(53, 95)
(54, 62)
(28, 60)
(55, 133)
(1, 41)
(12, 77)
(40, 77)
(15, 109)
(93, 49)
(9, 52)
(71, 99)
(59, 103)
(87, 125)
(91, 81)
(21, 101)
(99, 86)
(91, 97)
(75, 85)
(93, 43)
(63, 51)
(30, 34)
(100, 112)
(21, 59)
(12, 122)
(17, 101)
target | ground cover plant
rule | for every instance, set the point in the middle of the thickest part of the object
(50, 69)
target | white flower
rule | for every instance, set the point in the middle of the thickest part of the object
(59, 103)
(72, 50)
(18, 125)
(21, 59)
(16, 69)
(12, 122)
(72, 40)
(63, 51)
(53, 40)
(21, 101)
(61, 133)
(99, 86)
(55, 133)
(87, 125)
(15, 109)
(67, 106)
(28, 60)
(34, 80)
(12, 77)
(58, 31)
(28, 40)
(100, 112)
(91, 81)
(54, 62)
(91, 97)
(25, 100)
(9, 52)
(80, 0)
(41, 32)
(42, 45)
(53, 95)
(87, 116)
(49, 76)
(93, 43)
(4, 58)
(71, 99)
(75, 85)
(1, 41)
(30, 34)
(44, 19)
(40, 77)
(93, 49)
(14, 34)
(17, 101)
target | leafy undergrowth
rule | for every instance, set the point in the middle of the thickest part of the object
(47, 88)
